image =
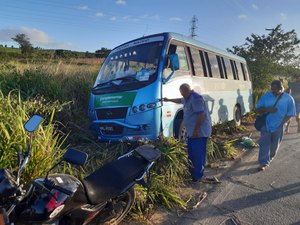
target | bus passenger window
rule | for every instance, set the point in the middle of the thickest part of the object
(234, 69)
(198, 66)
(183, 63)
(221, 69)
(239, 69)
(228, 69)
(214, 65)
(203, 63)
(208, 64)
(224, 68)
(244, 72)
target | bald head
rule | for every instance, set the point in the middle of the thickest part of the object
(185, 90)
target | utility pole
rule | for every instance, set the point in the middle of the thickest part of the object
(193, 28)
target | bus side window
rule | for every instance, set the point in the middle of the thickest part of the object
(197, 62)
(240, 71)
(208, 64)
(224, 68)
(203, 63)
(214, 65)
(183, 63)
(229, 70)
(234, 69)
(222, 73)
(244, 72)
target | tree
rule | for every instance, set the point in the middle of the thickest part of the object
(270, 55)
(102, 53)
(23, 41)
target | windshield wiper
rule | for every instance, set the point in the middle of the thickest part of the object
(131, 78)
(116, 85)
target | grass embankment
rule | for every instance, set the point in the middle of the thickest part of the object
(44, 86)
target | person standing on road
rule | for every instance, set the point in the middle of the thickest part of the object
(197, 121)
(272, 133)
(294, 90)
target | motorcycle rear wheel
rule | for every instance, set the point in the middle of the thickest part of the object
(121, 206)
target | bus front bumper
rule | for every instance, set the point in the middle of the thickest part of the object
(107, 130)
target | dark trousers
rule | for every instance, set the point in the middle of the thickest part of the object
(197, 156)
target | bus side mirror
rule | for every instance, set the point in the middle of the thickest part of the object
(174, 62)
(174, 65)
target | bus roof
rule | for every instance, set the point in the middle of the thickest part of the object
(191, 41)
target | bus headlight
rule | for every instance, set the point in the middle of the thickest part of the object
(135, 109)
(142, 107)
(151, 105)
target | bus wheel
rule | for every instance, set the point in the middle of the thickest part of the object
(182, 133)
(237, 115)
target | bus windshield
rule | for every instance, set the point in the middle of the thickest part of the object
(131, 67)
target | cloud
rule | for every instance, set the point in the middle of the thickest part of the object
(254, 6)
(175, 19)
(146, 16)
(243, 17)
(37, 37)
(99, 14)
(131, 19)
(113, 18)
(83, 7)
(283, 16)
(121, 2)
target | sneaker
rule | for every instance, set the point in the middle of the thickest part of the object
(262, 167)
(196, 180)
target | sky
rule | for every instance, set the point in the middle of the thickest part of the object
(90, 25)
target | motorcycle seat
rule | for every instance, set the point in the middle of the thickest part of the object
(113, 178)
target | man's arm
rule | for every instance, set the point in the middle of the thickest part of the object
(175, 100)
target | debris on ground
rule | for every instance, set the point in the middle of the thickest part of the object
(196, 200)
(247, 142)
(211, 180)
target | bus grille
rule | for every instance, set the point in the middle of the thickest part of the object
(111, 113)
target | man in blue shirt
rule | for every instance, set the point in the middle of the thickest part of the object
(197, 121)
(272, 133)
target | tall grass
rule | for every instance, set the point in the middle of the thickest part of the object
(165, 178)
(66, 83)
(46, 147)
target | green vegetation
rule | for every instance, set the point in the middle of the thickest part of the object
(270, 56)
(47, 145)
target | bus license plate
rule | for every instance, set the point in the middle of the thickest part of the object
(107, 128)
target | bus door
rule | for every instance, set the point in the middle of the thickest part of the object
(171, 113)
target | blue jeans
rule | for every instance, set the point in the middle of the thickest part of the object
(268, 145)
(197, 156)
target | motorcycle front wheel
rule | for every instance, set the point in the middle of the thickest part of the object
(114, 213)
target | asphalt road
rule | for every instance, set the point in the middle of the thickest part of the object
(247, 196)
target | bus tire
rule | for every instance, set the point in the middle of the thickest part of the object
(237, 115)
(182, 132)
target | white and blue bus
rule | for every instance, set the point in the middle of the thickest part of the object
(126, 100)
